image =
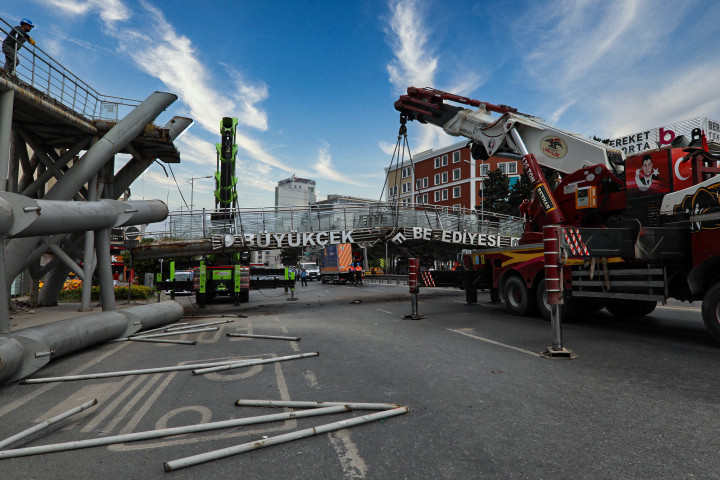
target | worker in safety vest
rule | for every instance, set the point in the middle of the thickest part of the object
(358, 274)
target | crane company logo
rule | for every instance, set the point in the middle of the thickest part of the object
(553, 147)
(703, 201)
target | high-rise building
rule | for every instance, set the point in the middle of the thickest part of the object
(294, 191)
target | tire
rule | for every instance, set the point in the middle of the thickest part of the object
(544, 307)
(517, 296)
(711, 311)
(630, 308)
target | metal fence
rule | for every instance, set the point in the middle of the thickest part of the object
(38, 70)
(187, 225)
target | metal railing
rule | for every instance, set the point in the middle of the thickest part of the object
(37, 69)
(187, 225)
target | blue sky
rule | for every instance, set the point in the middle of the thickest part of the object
(313, 82)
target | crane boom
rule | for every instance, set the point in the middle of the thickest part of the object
(491, 135)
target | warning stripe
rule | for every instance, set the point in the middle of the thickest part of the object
(574, 240)
(427, 279)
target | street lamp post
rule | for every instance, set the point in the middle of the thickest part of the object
(192, 187)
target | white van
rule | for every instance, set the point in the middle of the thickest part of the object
(313, 271)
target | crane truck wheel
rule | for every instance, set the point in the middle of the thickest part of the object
(711, 311)
(630, 308)
(517, 296)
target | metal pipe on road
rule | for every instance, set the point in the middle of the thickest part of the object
(302, 404)
(167, 432)
(177, 332)
(40, 426)
(250, 363)
(160, 340)
(270, 337)
(124, 373)
(288, 437)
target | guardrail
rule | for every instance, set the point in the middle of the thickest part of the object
(188, 225)
(37, 69)
(389, 279)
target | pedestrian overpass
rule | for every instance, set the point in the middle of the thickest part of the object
(188, 233)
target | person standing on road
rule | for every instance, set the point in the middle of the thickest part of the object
(14, 42)
(303, 278)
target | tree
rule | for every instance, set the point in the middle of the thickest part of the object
(521, 190)
(290, 256)
(496, 190)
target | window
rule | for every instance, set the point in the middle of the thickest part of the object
(437, 195)
(512, 167)
(405, 201)
(393, 190)
(406, 172)
(457, 206)
(418, 184)
(501, 167)
(444, 177)
(437, 162)
(405, 187)
(456, 192)
(444, 160)
(484, 169)
(445, 194)
(456, 157)
(420, 199)
(456, 174)
(437, 179)
(425, 182)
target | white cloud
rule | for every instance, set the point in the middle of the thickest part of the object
(109, 10)
(323, 168)
(414, 62)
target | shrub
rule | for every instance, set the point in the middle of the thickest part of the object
(137, 292)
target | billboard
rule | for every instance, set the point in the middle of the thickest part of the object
(642, 141)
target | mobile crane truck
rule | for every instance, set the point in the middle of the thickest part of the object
(634, 231)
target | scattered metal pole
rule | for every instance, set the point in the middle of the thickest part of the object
(167, 432)
(302, 404)
(270, 337)
(250, 363)
(40, 426)
(92, 376)
(554, 289)
(254, 445)
(178, 332)
(160, 329)
(175, 328)
(161, 340)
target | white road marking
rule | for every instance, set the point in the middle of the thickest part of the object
(494, 342)
(311, 378)
(353, 465)
(384, 311)
(17, 403)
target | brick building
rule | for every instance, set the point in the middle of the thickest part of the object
(446, 176)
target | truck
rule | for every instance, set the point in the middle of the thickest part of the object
(633, 231)
(335, 263)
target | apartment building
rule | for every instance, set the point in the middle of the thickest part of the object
(446, 176)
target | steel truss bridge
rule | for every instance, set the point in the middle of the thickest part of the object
(198, 232)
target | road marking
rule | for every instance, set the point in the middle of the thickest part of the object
(461, 332)
(311, 378)
(353, 465)
(672, 307)
(12, 406)
(293, 345)
(384, 311)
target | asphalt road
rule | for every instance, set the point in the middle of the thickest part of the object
(639, 402)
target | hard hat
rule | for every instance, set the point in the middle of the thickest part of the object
(27, 21)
